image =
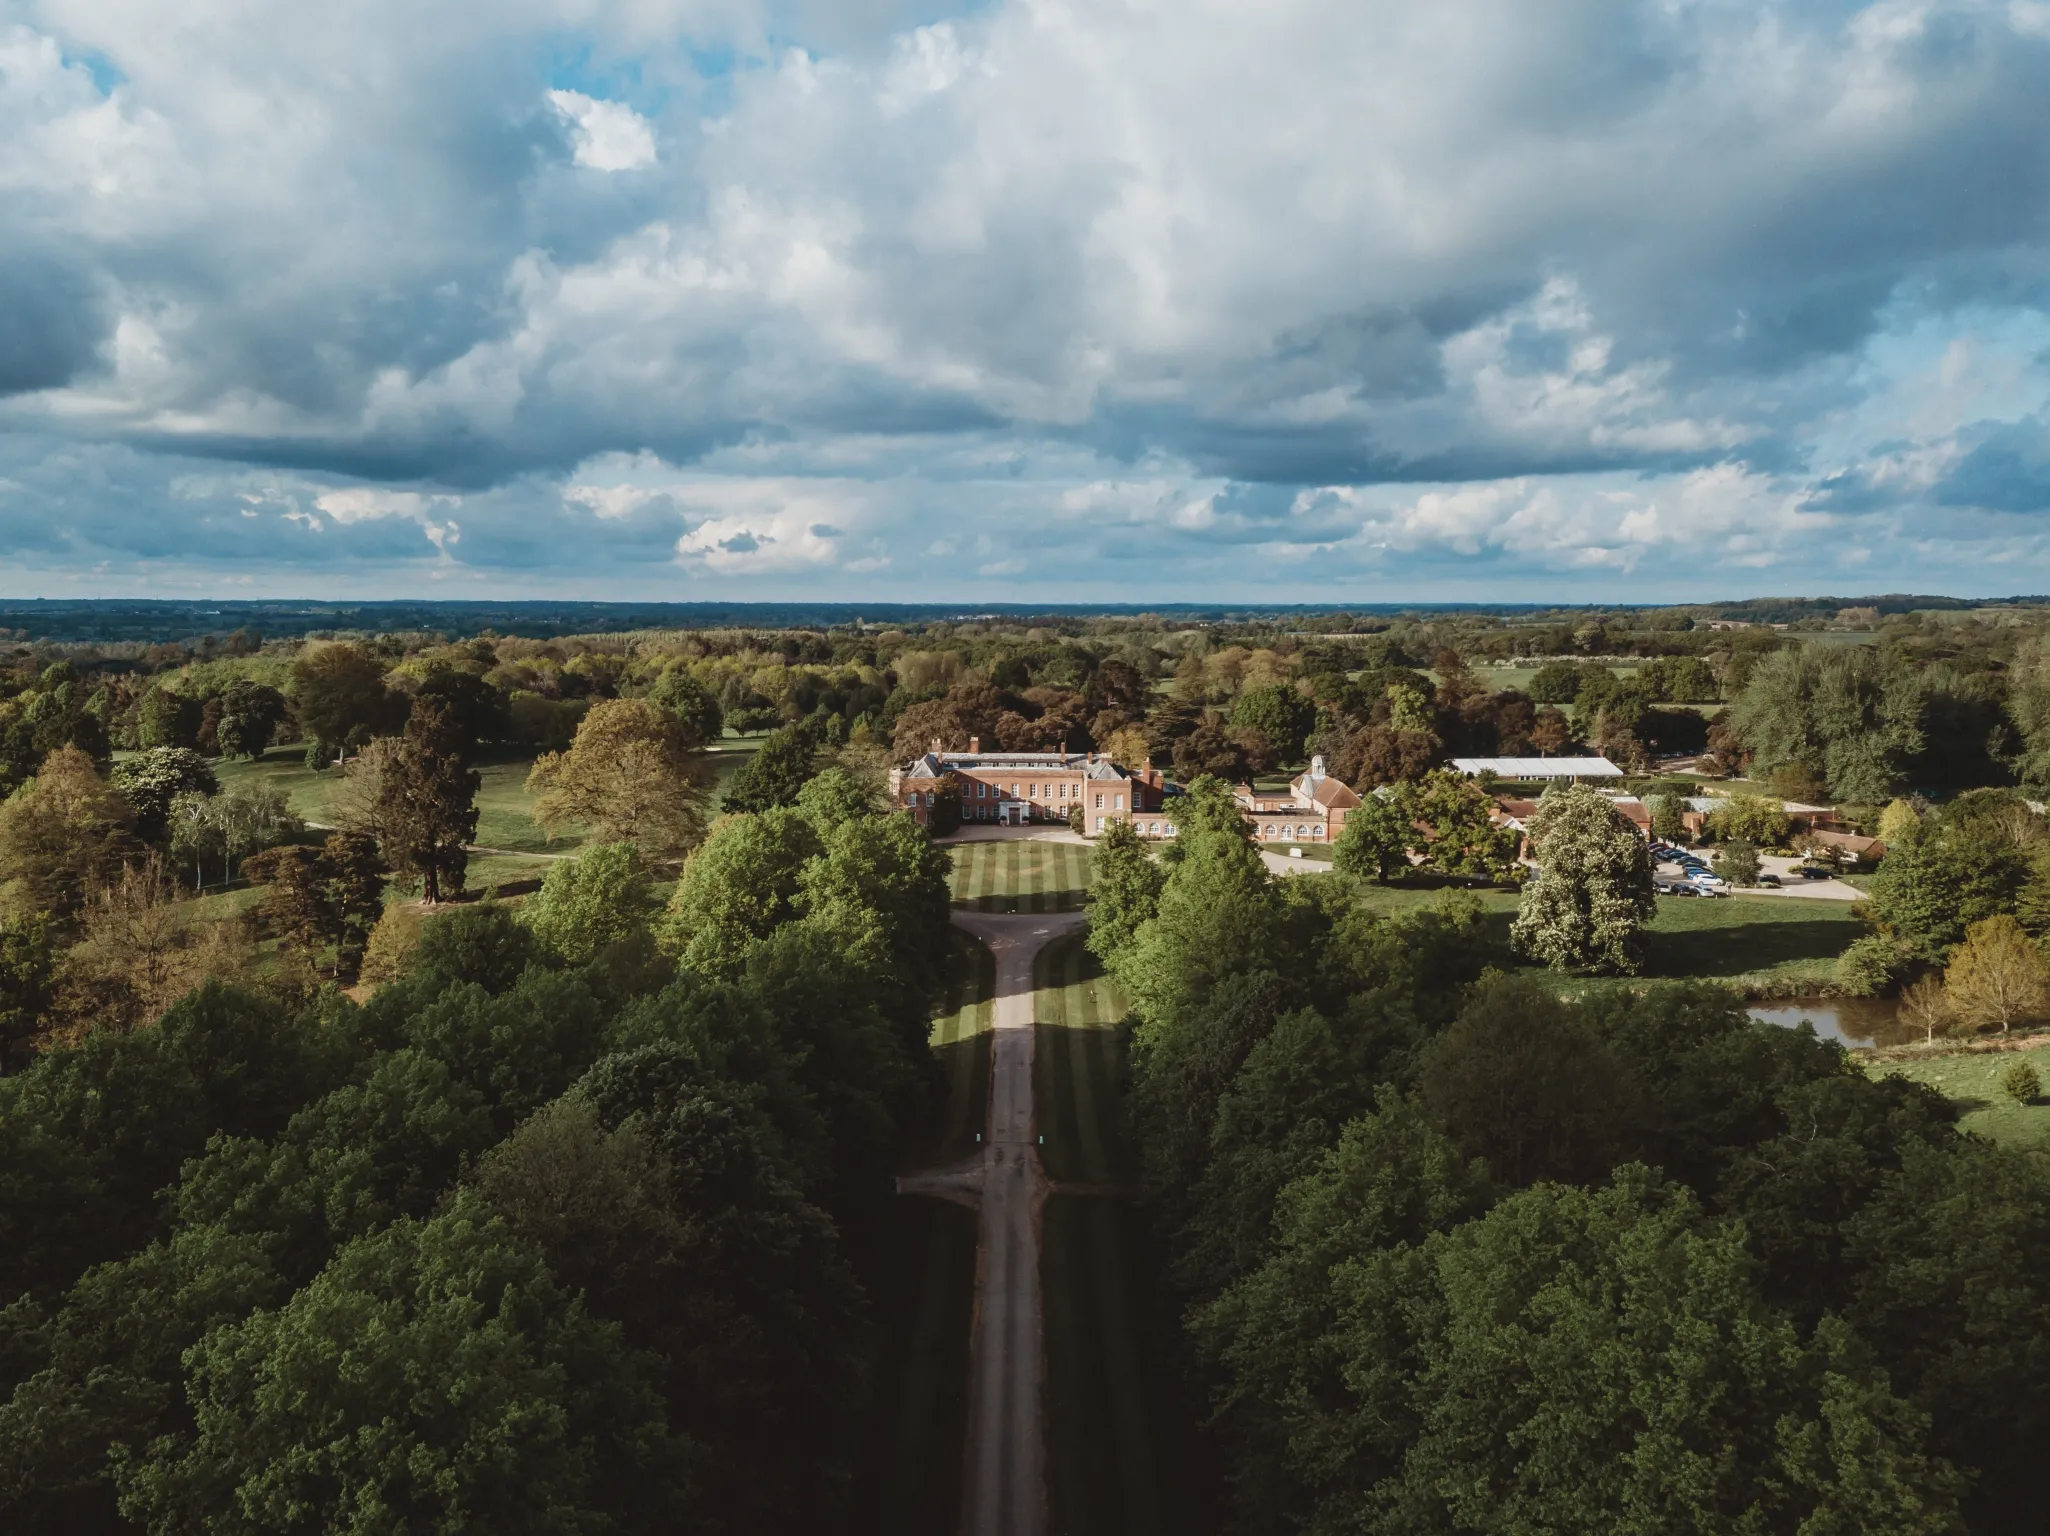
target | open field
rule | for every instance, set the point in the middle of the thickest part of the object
(1109, 1438)
(1971, 1080)
(1020, 875)
(1766, 945)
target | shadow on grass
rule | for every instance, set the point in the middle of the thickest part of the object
(908, 1478)
(1741, 948)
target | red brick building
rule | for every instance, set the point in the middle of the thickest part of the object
(1014, 788)
(1312, 811)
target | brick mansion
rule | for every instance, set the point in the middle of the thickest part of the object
(1016, 788)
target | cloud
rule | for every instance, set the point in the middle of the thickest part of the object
(676, 290)
(610, 136)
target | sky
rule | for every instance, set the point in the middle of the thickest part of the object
(1024, 301)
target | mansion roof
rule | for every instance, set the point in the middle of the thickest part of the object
(936, 765)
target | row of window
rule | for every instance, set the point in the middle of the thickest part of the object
(984, 792)
(1302, 832)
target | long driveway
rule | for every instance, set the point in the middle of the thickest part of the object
(1005, 1491)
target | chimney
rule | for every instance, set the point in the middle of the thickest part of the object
(974, 743)
(1317, 766)
(937, 749)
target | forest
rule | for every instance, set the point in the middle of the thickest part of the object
(361, 1172)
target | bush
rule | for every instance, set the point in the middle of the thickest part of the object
(1871, 966)
(2020, 1081)
(1737, 862)
(392, 943)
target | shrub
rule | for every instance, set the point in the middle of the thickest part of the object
(392, 943)
(2020, 1081)
(1870, 966)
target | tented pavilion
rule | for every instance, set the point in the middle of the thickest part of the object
(1568, 770)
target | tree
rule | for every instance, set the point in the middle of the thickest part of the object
(250, 714)
(339, 694)
(27, 965)
(1588, 904)
(63, 834)
(427, 801)
(778, 771)
(294, 894)
(631, 775)
(166, 718)
(695, 709)
(2021, 1082)
(1997, 976)
(1458, 816)
(1753, 818)
(1899, 824)
(1737, 862)
(156, 776)
(595, 899)
(432, 1377)
(1280, 714)
(333, 894)
(1926, 1006)
(1128, 748)
(1668, 818)
(1375, 841)
(1124, 889)
(1952, 874)
(1551, 732)
(478, 711)
(743, 883)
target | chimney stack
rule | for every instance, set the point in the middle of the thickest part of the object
(974, 743)
(1317, 766)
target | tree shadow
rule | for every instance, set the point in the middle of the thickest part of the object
(1742, 948)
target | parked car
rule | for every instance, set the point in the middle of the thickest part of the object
(1676, 888)
(1771, 880)
(1817, 872)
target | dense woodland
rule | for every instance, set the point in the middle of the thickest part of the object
(568, 1215)
(1455, 1255)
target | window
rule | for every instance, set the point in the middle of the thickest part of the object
(1099, 806)
(1099, 820)
(981, 790)
(1014, 791)
(1117, 802)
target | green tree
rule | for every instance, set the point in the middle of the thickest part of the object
(741, 885)
(1587, 906)
(595, 899)
(165, 718)
(249, 717)
(156, 776)
(432, 1377)
(1458, 816)
(339, 694)
(63, 834)
(776, 774)
(1375, 841)
(27, 965)
(695, 709)
(833, 796)
(427, 801)
(632, 775)
(1280, 714)
(1668, 818)
(1954, 873)
(1737, 862)
(1124, 889)
(1753, 818)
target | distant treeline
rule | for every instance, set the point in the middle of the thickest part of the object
(159, 621)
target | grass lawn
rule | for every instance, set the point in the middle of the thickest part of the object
(910, 1479)
(1972, 1082)
(960, 1038)
(1765, 945)
(1020, 875)
(1111, 1431)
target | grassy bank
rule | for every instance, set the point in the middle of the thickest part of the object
(1971, 1081)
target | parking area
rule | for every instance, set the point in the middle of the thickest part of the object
(1686, 873)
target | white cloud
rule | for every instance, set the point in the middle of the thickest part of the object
(610, 135)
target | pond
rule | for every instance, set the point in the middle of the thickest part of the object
(1853, 1020)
